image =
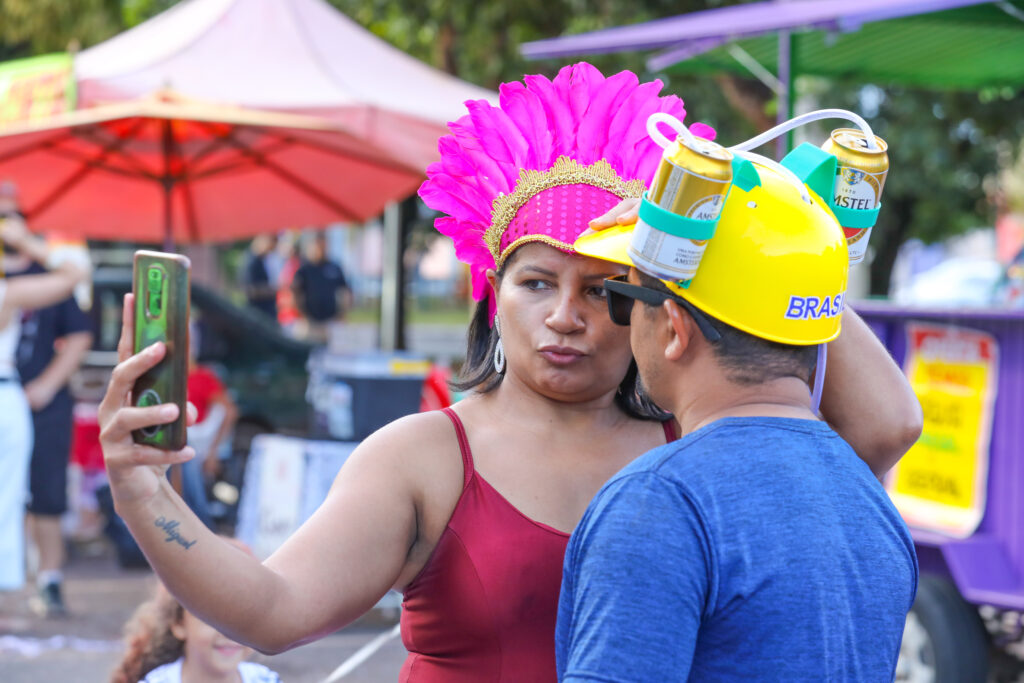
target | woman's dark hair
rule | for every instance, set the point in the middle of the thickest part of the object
(478, 370)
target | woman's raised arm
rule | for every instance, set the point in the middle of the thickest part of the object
(331, 571)
(867, 398)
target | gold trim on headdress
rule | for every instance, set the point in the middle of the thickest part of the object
(565, 171)
(546, 239)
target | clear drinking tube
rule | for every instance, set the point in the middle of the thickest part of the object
(672, 122)
(819, 378)
(796, 122)
(739, 150)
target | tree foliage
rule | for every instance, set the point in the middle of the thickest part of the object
(945, 152)
(32, 27)
(945, 147)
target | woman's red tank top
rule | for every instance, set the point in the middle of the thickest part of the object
(484, 606)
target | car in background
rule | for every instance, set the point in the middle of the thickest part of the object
(956, 281)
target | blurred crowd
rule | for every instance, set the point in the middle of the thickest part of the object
(45, 336)
(301, 289)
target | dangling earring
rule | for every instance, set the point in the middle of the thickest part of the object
(499, 350)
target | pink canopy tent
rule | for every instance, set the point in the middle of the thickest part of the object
(301, 56)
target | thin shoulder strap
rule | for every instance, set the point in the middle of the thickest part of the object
(467, 454)
(669, 426)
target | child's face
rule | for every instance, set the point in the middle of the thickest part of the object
(206, 649)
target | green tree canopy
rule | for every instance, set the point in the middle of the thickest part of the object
(33, 27)
(944, 146)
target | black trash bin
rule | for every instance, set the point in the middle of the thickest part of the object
(354, 395)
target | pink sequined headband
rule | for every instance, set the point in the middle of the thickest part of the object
(537, 168)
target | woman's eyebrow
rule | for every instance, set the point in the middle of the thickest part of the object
(540, 271)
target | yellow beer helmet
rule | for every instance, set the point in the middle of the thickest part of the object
(776, 267)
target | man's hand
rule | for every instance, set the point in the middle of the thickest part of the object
(70, 350)
(39, 394)
(623, 213)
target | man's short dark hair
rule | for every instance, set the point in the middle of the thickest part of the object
(747, 359)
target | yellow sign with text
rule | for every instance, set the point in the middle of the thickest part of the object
(941, 483)
(36, 88)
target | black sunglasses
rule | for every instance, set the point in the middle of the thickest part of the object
(620, 304)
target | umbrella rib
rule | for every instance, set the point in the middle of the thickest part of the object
(214, 144)
(319, 146)
(227, 165)
(24, 149)
(78, 156)
(291, 178)
(140, 168)
(69, 183)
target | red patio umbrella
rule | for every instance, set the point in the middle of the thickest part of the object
(167, 169)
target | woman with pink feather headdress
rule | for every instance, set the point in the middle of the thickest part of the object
(468, 510)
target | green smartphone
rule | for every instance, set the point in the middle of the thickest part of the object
(161, 286)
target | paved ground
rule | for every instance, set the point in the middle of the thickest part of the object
(101, 596)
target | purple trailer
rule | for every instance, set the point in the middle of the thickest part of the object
(979, 572)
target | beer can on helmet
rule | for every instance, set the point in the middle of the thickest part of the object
(860, 177)
(692, 180)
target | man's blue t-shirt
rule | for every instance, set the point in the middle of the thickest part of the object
(751, 549)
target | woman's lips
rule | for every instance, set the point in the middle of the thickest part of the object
(561, 355)
(228, 650)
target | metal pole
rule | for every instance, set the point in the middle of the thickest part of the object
(391, 280)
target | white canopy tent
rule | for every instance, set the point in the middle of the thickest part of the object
(296, 56)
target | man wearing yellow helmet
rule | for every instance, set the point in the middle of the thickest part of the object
(759, 546)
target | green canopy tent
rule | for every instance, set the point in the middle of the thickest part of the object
(951, 45)
(943, 44)
(966, 48)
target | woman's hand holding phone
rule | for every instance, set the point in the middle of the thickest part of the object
(135, 470)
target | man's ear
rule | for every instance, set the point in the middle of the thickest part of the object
(178, 629)
(681, 329)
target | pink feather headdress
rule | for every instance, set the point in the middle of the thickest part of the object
(538, 167)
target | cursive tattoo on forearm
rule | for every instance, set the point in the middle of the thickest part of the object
(170, 527)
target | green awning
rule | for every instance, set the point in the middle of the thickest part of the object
(967, 48)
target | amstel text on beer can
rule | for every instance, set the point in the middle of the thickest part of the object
(692, 180)
(860, 177)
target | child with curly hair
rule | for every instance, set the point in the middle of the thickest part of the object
(165, 643)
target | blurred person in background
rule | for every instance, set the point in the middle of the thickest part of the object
(17, 295)
(54, 341)
(261, 273)
(288, 314)
(322, 293)
(216, 415)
